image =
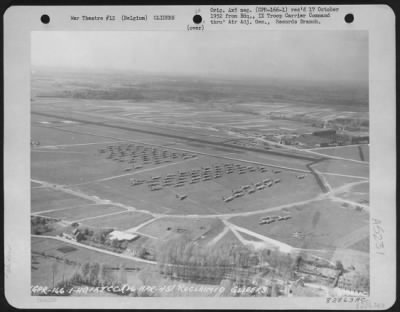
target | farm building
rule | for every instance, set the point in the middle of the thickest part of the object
(72, 233)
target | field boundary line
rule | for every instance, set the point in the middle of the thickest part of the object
(56, 151)
(343, 175)
(139, 226)
(332, 147)
(65, 208)
(101, 216)
(78, 144)
(312, 152)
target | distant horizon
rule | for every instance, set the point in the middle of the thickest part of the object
(278, 55)
(214, 77)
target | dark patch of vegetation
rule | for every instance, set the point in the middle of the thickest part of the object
(41, 225)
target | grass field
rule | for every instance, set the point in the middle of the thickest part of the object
(205, 197)
(123, 221)
(43, 199)
(363, 188)
(362, 198)
(362, 245)
(80, 255)
(357, 193)
(338, 181)
(168, 228)
(81, 213)
(343, 167)
(69, 166)
(319, 223)
(349, 152)
(51, 136)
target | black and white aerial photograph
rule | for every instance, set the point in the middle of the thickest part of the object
(208, 164)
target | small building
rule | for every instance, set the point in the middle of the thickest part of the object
(72, 233)
(121, 236)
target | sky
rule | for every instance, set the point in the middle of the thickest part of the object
(312, 55)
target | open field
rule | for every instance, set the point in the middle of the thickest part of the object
(81, 213)
(123, 221)
(43, 199)
(205, 197)
(362, 198)
(348, 152)
(318, 224)
(361, 245)
(357, 193)
(362, 188)
(195, 229)
(48, 136)
(79, 254)
(336, 181)
(343, 167)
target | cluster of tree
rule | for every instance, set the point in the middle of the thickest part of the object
(361, 282)
(181, 258)
(41, 225)
(94, 274)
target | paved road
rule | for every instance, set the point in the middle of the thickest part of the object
(235, 228)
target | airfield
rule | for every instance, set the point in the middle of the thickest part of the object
(162, 170)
